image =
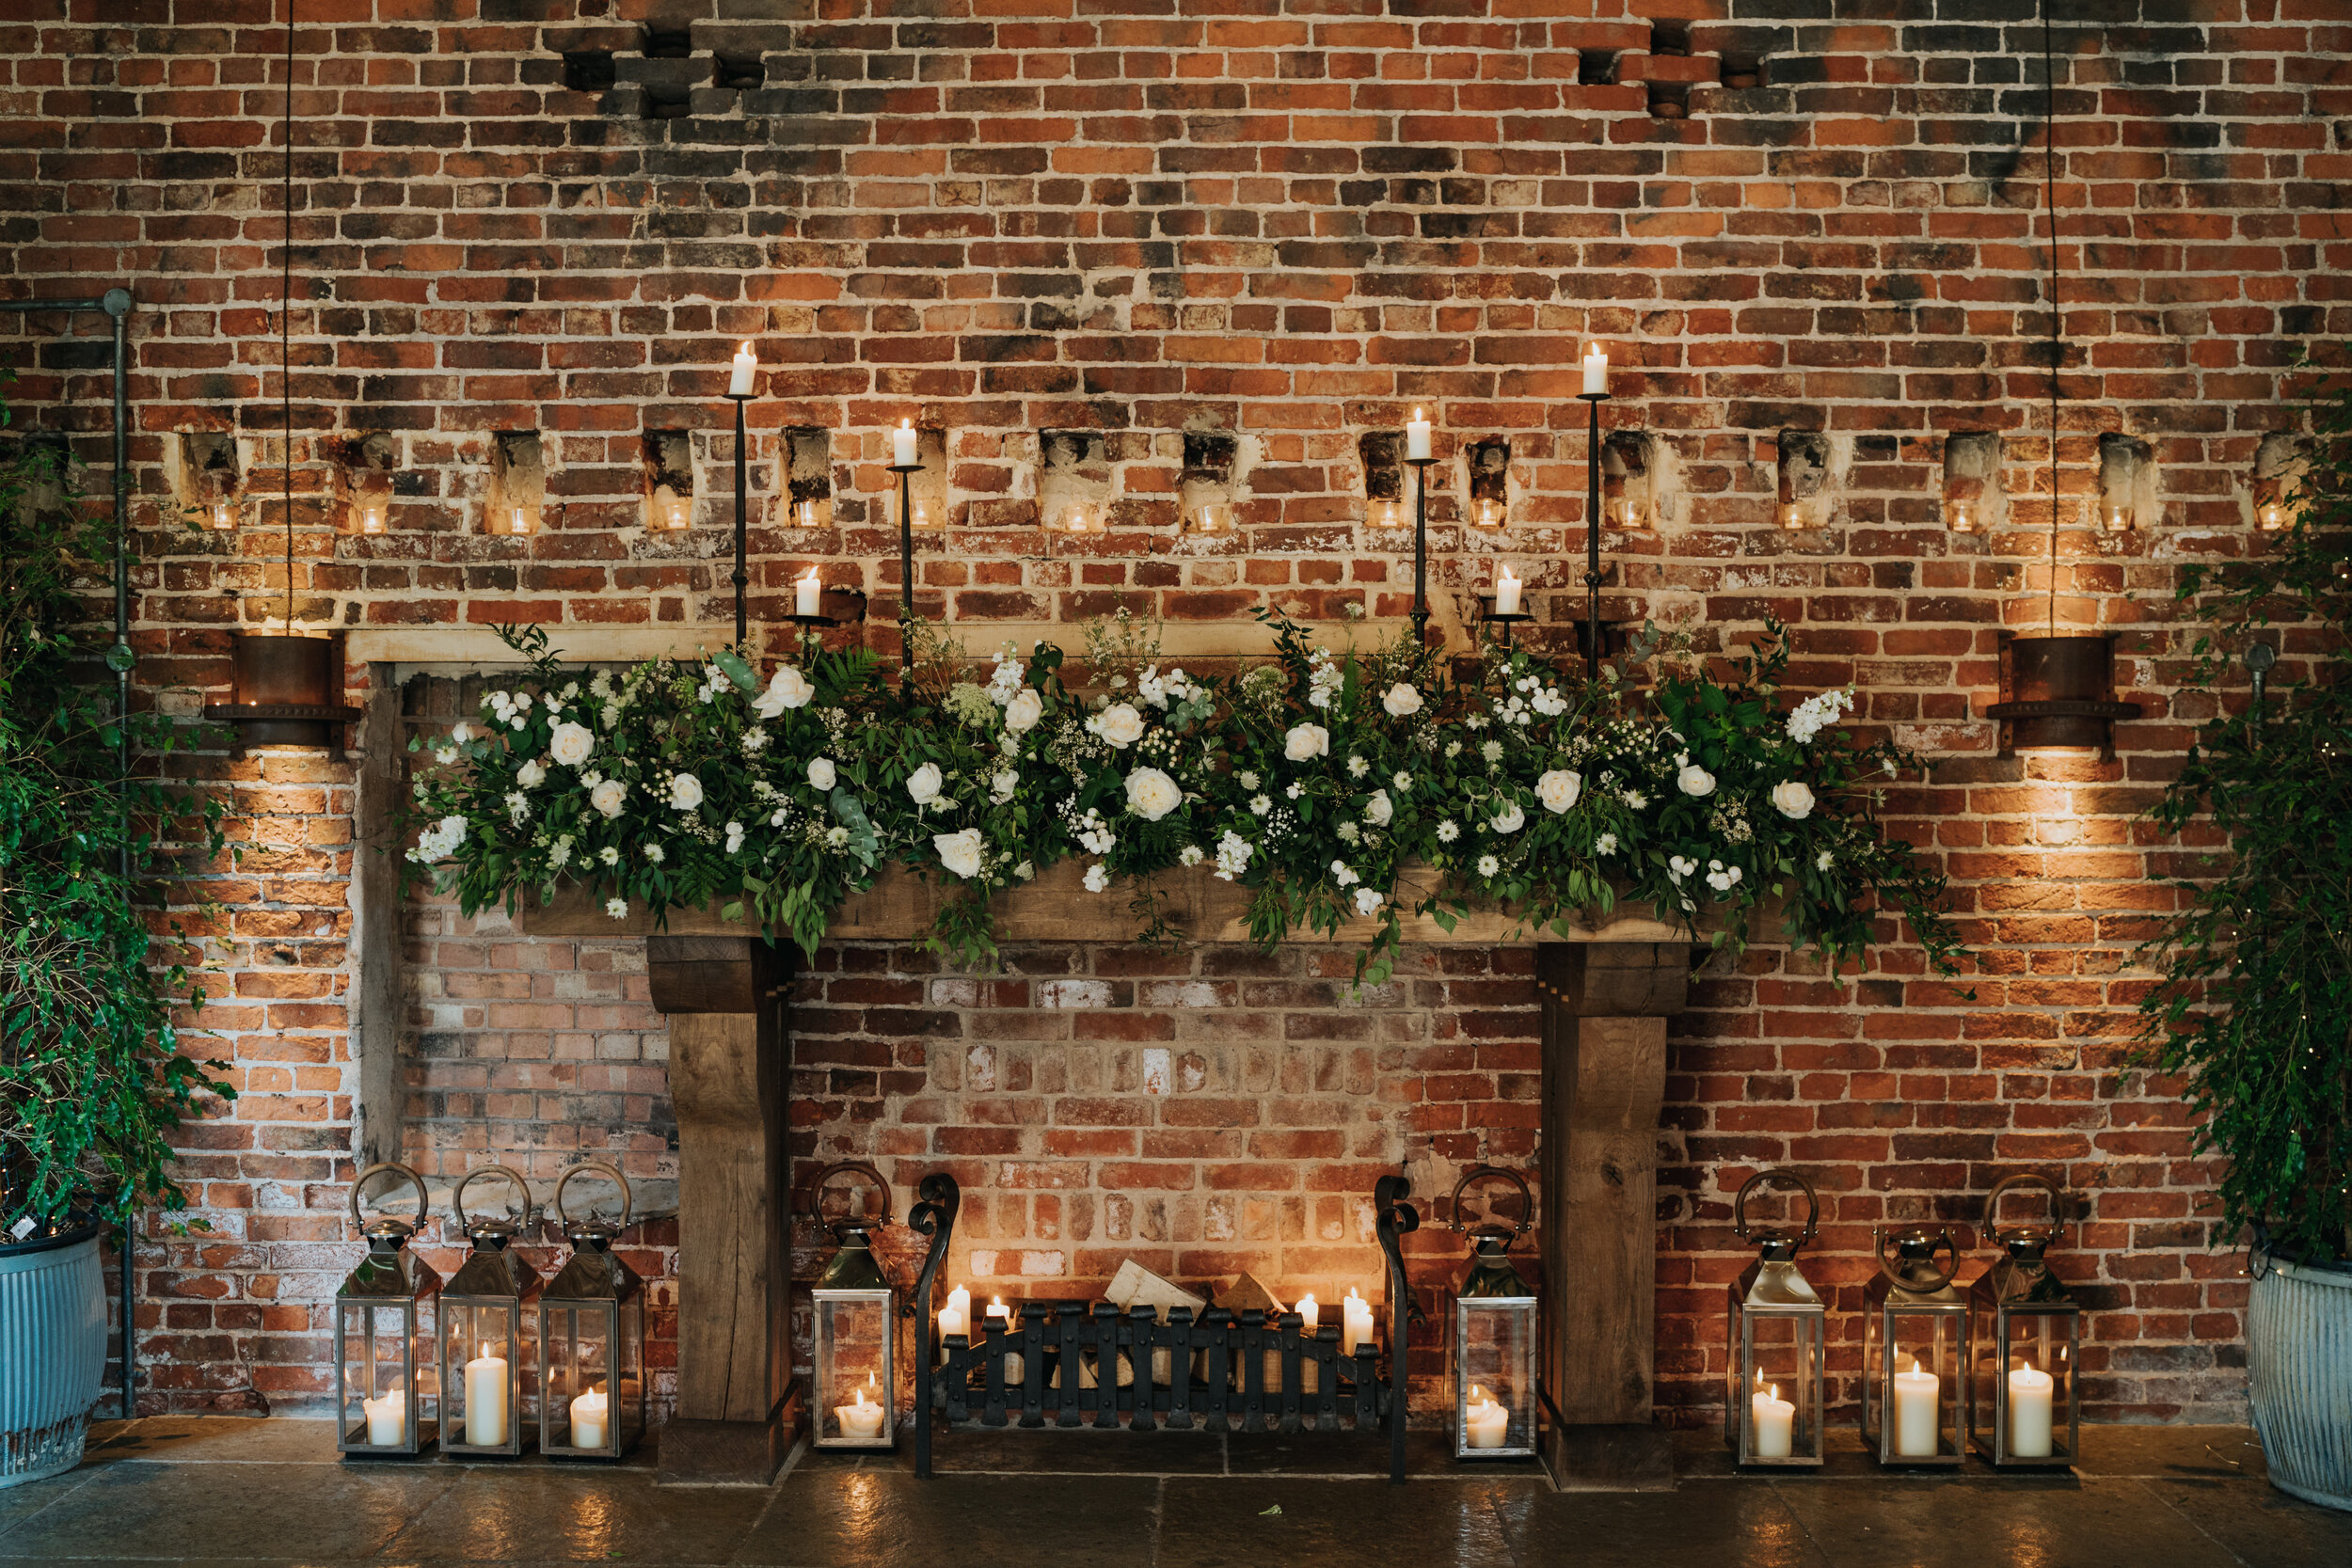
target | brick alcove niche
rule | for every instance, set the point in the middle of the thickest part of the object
(760, 1051)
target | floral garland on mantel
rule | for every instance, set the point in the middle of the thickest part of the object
(1313, 780)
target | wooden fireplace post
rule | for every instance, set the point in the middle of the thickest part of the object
(728, 1062)
(1605, 1006)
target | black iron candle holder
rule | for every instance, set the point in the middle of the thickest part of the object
(1420, 547)
(742, 484)
(1506, 622)
(1592, 533)
(811, 623)
(906, 472)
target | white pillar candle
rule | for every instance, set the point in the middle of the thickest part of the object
(1487, 1424)
(997, 1310)
(902, 445)
(2030, 1398)
(588, 1418)
(746, 366)
(956, 1316)
(486, 1400)
(862, 1417)
(387, 1417)
(1355, 1327)
(1507, 594)
(1417, 433)
(805, 594)
(1775, 1423)
(1310, 1313)
(1918, 1395)
(1597, 370)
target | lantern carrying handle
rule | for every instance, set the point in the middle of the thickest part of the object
(1527, 1202)
(815, 1194)
(1943, 1239)
(425, 1200)
(2003, 1233)
(457, 1199)
(582, 1169)
(1777, 1173)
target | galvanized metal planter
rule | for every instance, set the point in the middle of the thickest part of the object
(53, 1352)
(2298, 1346)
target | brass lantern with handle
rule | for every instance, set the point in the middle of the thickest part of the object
(853, 1382)
(384, 1332)
(1915, 1350)
(2028, 1343)
(591, 1337)
(482, 1327)
(1773, 1363)
(1494, 1335)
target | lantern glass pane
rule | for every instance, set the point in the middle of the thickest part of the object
(1915, 1402)
(852, 1380)
(386, 1373)
(583, 1398)
(481, 1372)
(1781, 1380)
(2025, 1386)
(1494, 1376)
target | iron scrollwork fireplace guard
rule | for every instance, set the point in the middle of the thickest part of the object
(1073, 1363)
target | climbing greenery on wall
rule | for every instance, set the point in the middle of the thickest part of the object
(1335, 786)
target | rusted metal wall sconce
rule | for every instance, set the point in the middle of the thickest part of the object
(2061, 694)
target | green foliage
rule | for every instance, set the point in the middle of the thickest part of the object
(91, 1079)
(2256, 1010)
(1321, 782)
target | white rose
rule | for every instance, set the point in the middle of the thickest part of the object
(1368, 900)
(1024, 710)
(530, 775)
(1151, 794)
(1401, 700)
(1002, 786)
(571, 744)
(1097, 877)
(607, 795)
(1118, 723)
(461, 732)
(1510, 819)
(923, 784)
(1695, 780)
(960, 852)
(1794, 800)
(686, 792)
(820, 774)
(1306, 741)
(1558, 790)
(787, 689)
(1378, 809)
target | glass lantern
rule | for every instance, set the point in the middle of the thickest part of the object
(482, 1330)
(2028, 1337)
(592, 1337)
(384, 1332)
(1915, 1351)
(1772, 1395)
(854, 1384)
(1494, 1335)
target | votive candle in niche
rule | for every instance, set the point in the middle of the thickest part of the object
(1417, 439)
(806, 594)
(370, 519)
(805, 515)
(1597, 371)
(1793, 515)
(746, 367)
(224, 516)
(903, 442)
(1507, 594)
(2274, 517)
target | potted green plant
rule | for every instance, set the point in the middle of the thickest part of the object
(2256, 1010)
(91, 1078)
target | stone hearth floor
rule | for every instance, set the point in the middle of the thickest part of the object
(269, 1494)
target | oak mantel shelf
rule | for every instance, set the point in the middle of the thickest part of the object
(1058, 907)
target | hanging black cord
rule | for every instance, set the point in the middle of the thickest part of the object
(285, 318)
(2058, 344)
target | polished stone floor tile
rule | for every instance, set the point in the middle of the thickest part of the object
(1251, 1522)
(826, 1518)
(250, 1439)
(1717, 1524)
(258, 1510)
(1053, 1453)
(497, 1515)
(2017, 1522)
(2260, 1524)
(21, 1501)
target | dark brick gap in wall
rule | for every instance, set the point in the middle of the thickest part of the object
(364, 464)
(1073, 481)
(1206, 481)
(518, 478)
(214, 467)
(808, 477)
(1382, 454)
(1486, 468)
(668, 459)
(1972, 495)
(2128, 495)
(1596, 67)
(588, 70)
(737, 71)
(1627, 498)
(669, 41)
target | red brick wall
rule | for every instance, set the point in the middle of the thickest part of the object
(1019, 216)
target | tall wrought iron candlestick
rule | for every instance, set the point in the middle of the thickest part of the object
(742, 483)
(1592, 533)
(1420, 547)
(906, 472)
